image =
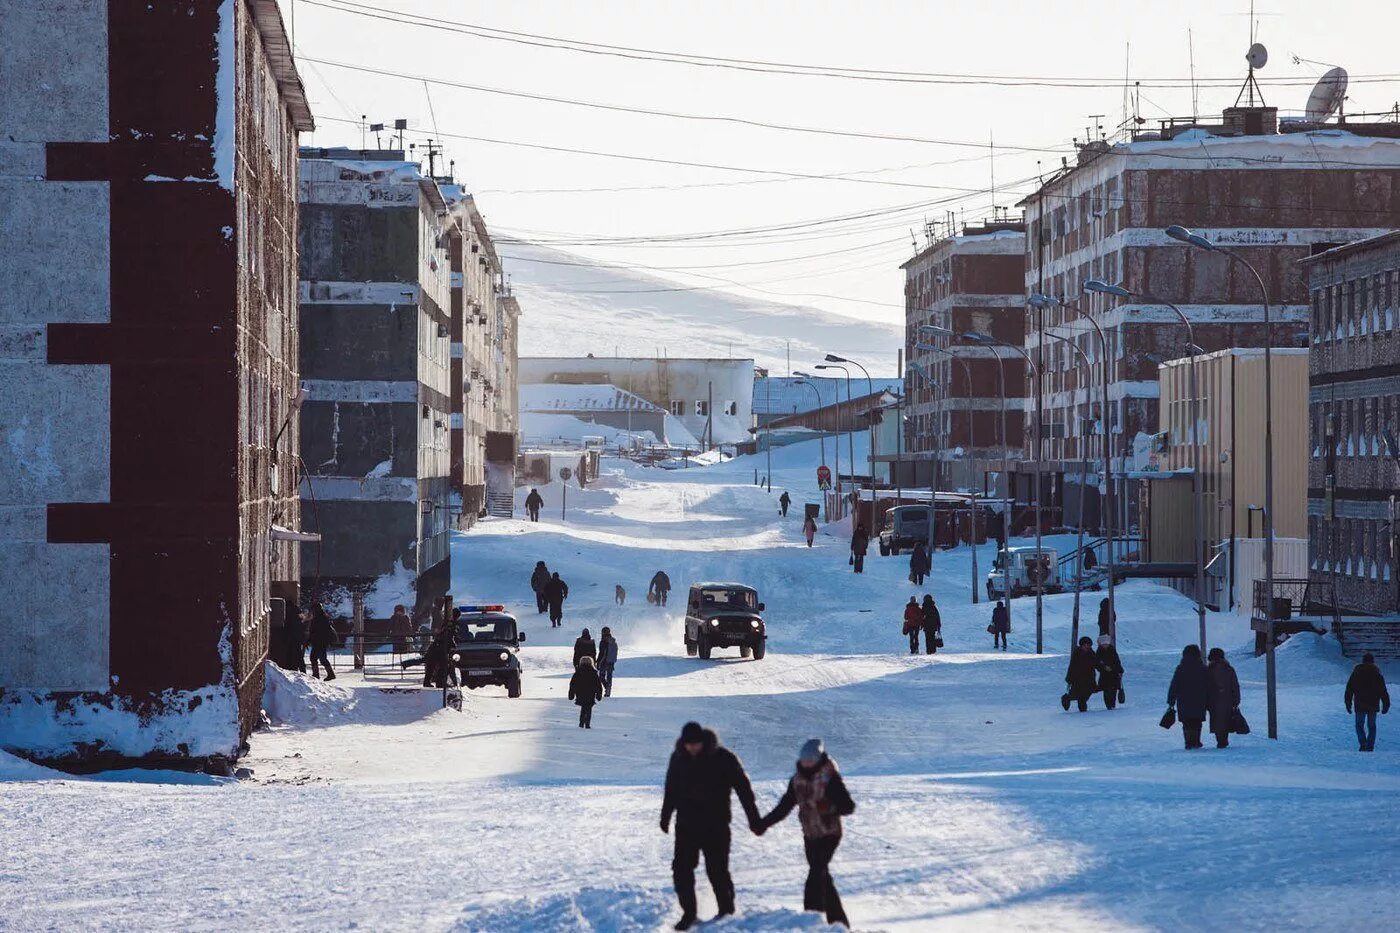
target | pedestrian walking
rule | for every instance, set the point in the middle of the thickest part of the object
(821, 799)
(1000, 626)
(1107, 618)
(533, 503)
(933, 625)
(320, 635)
(659, 588)
(400, 629)
(607, 659)
(860, 543)
(555, 592)
(1082, 675)
(699, 778)
(784, 501)
(584, 647)
(295, 635)
(1222, 697)
(1188, 694)
(1110, 672)
(538, 580)
(809, 529)
(1366, 692)
(913, 624)
(919, 564)
(585, 689)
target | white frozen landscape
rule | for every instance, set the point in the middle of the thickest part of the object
(980, 804)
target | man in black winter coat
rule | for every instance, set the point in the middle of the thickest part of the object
(660, 587)
(320, 636)
(1367, 693)
(1189, 694)
(1110, 671)
(699, 779)
(860, 543)
(538, 579)
(1222, 696)
(533, 503)
(919, 564)
(1082, 676)
(585, 647)
(555, 592)
(784, 501)
(933, 624)
(1107, 617)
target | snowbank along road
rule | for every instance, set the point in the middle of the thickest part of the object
(980, 804)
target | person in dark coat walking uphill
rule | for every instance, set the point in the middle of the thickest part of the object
(1188, 694)
(919, 564)
(585, 689)
(1366, 691)
(538, 581)
(607, 659)
(1110, 672)
(1082, 675)
(913, 623)
(585, 648)
(533, 503)
(860, 543)
(821, 799)
(1106, 617)
(784, 501)
(320, 635)
(1222, 696)
(699, 779)
(660, 587)
(295, 635)
(933, 625)
(1001, 624)
(555, 592)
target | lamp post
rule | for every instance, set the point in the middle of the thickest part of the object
(869, 393)
(1197, 481)
(850, 435)
(821, 438)
(932, 486)
(836, 443)
(1181, 234)
(1110, 518)
(971, 437)
(989, 341)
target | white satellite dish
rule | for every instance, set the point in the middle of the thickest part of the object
(1327, 96)
(1257, 56)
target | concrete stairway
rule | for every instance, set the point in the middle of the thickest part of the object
(1380, 636)
(500, 505)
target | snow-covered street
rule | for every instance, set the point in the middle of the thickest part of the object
(980, 804)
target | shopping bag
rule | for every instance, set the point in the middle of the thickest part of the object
(938, 641)
(851, 561)
(991, 629)
(1238, 724)
(1122, 697)
(1168, 718)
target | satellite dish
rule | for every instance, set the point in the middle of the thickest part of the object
(1257, 56)
(1327, 96)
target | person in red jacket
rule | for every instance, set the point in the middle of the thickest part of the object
(913, 622)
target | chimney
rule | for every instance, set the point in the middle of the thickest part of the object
(1251, 121)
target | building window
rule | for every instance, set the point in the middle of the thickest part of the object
(678, 409)
(702, 408)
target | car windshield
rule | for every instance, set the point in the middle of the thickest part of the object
(493, 630)
(728, 599)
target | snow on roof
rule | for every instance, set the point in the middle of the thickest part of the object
(788, 396)
(561, 397)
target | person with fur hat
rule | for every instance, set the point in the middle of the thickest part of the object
(1081, 677)
(1110, 672)
(699, 779)
(821, 799)
(585, 689)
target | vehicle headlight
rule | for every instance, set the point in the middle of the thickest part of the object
(456, 658)
(714, 623)
(505, 656)
(754, 623)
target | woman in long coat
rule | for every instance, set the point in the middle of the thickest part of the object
(1188, 694)
(1222, 696)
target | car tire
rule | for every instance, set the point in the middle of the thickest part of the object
(989, 591)
(704, 647)
(513, 687)
(690, 648)
(884, 550)
(745, 651)
(760, 648)
(894, 550)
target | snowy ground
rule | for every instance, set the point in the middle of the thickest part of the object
(980, 803)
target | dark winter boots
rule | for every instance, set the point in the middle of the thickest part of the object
(1192, 734)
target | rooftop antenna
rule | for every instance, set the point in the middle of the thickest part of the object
(913, 239)
(399, 126)
(1258, 57)
(992, 166)
(1328, 96)
(1191, 57)
(376, 129)
(362, 131)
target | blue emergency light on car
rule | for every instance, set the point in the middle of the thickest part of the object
(498, 608)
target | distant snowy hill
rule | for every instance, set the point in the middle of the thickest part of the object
(571, 310)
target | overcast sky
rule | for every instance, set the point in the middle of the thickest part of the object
(858, 275)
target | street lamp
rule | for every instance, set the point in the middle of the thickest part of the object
(869, 392)
(971, 437)
(987, 340)
(933, 485)
(1197, 481)
(836, 444)
(850, 435)
(1181, 234)
(821, 438)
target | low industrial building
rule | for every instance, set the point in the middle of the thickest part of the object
(148, 334)
(564, 415)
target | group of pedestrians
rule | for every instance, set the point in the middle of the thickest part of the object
(700, 777)
(1093, 671)
(1199, 690)
(923, 617)
(312, 629)
(550, 593)
(593, 673)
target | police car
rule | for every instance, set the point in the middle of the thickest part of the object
(488, 644)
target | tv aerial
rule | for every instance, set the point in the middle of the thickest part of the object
(1327, 96)
(1257, 57)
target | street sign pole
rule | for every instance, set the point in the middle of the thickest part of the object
(565, 474)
